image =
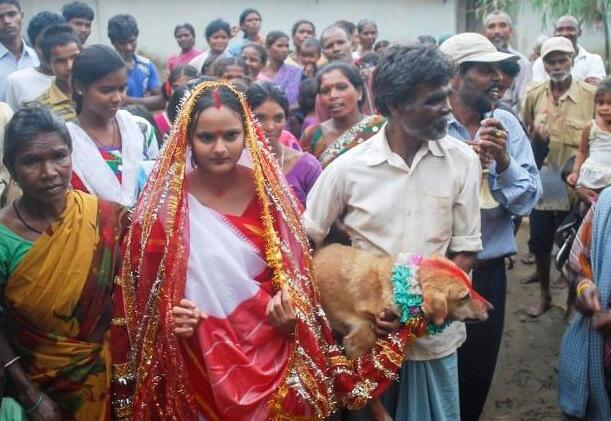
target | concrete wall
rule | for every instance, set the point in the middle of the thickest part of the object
(399, 20)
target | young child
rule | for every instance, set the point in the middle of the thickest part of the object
(592, 168)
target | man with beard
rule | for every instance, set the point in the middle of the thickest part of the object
(555, 111)
(390, 199)
(586, 66)
(511, 187)
(336, 44)
(14, 53)
(498, 28)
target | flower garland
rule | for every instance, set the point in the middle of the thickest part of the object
(407, 295)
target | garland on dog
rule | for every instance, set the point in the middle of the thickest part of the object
(407, 294)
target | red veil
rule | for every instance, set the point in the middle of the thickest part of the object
(150, 381)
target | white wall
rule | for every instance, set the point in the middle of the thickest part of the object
(399, 20)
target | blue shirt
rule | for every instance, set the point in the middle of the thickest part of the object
(517, 189)
(142, 77)
(9, 64)
(235, 47)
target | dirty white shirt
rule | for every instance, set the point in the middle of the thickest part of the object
(430, 208)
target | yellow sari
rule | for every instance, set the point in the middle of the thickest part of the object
(58, 301)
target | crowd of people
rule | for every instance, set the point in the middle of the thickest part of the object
(156, 234)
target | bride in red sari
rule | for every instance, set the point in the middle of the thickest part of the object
(215, 302)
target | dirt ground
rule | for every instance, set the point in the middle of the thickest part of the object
(524, 386)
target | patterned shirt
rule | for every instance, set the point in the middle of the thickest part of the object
(142, 77)
(58, 103)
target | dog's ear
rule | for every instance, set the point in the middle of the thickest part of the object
(435, 306)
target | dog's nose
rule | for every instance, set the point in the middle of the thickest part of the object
(488, 306)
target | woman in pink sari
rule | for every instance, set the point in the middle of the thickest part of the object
(215, 314)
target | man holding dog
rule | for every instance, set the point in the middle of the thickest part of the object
(510, 186)
(409, 188)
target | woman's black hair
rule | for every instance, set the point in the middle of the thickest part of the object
(25, 126)
(186, 26)
(212, 98)
(57, 36)
(604, 87)
(223, 62)
(92, 64)
(274, 36)
(350, 71)
(77, 10)
(307, 95)
(260, 50)
(173, 107)
(380, 44)
(40, 21)
(215, 26)
(300, 22)
(245, 14)
(401, 70)
(122, 27)
(183, 70)
(261, 91)
(364, 22)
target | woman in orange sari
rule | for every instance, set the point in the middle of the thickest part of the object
(222, 320)
(58, 254)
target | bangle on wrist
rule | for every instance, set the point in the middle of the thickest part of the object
(583, 285)
(12, 361)
(35, 406)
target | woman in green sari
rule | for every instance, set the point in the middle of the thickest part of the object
(58, 256)
(341, 91)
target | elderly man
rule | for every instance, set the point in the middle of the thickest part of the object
(511, 186)
(498, 28)
(389, 203)
(586, 66)
(336, 44)
(555, 111)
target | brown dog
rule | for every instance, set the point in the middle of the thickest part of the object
(355, 286)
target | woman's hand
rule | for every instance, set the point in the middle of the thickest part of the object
(572, 178)
(588, 196)
(281, 312)
(387, 322)
(588, 302)
(46, 411)
(186, 318)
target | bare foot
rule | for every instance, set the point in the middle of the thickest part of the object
(544, 304)
(528, 259)
(532, 279)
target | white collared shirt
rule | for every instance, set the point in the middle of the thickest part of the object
(9, 64)
(586, 65)
(430, 208)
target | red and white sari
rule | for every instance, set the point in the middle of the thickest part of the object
(237, 366)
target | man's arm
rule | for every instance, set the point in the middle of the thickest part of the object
(325, 203)
(518, 187)
(466, 222)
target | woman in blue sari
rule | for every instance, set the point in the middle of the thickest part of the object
(585, 352)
